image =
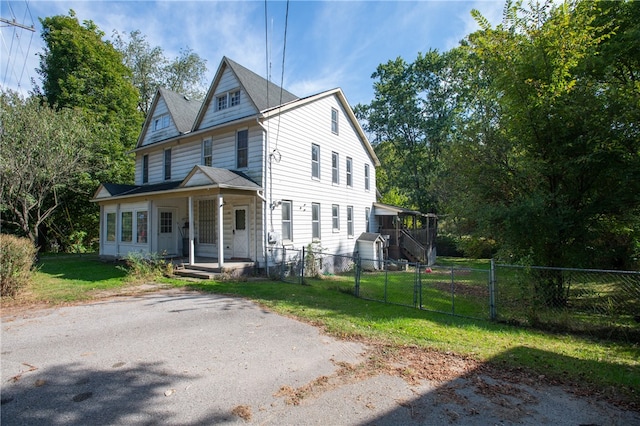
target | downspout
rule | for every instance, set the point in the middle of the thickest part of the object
(264, 198)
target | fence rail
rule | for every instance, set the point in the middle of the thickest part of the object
(601, 303)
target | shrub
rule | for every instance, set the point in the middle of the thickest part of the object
(17, 256)
(146, 266)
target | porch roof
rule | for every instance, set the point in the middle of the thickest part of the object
(200, 177)
(389, 210)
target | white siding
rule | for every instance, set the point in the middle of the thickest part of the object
(298, 129)
(152, 136)
(227, 83)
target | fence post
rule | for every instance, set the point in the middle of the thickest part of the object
(415, 285)
(492, 291)
(417, 298)
(303, 260)
(358, 270)
(453, 291)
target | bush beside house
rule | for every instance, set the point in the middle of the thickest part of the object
(16, 263)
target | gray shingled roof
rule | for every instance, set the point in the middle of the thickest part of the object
(228, 178)
(369, 236)
(182, 109)
(257, 88)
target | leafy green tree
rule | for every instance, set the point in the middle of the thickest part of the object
(42, 151)
(151, 69)
(80, 70)
(411, 118)
(546, 158)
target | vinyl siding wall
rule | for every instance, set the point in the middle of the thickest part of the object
(292, 180)
(213, 116)
(153, 136)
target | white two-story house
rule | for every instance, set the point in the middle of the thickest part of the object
(251, 168)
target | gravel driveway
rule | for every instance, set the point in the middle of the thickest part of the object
(185, 358)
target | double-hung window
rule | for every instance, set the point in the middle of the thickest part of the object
(207, 152)
(334, 120)
(367, 213)
(126, 227)
(315, 161)
(142, 221)
(167, 164)
(242, 149)
(111, 226)
(366, 177)
(145, 168)
(335, 171)
(349, 172)
(315, 221)
(350, 221)
(287, 221)
(335, 217)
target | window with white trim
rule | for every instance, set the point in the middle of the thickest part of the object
(350, 221)
(111, 226)
(287, 221)
(161, 122)
(315, 161)
(142, 223)
(126, 227)
(366, 177)
(367, 213)
(334, 121)
(335, 217)
(315, 221)
(145, 168)
(349, 172)
(228, 100)
(167, 164)
(335, 171)
(242, 149)
(207, 152)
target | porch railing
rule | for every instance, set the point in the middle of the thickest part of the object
(413, 247)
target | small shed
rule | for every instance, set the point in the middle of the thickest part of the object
(371, 248)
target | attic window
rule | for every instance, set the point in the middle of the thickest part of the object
(228, 100)
(161, 122)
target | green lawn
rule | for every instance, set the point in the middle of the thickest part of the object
(330, 304)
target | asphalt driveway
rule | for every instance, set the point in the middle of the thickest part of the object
(185, 358)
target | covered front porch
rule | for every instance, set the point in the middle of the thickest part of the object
(210, 221)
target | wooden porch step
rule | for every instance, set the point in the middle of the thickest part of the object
(194, 273)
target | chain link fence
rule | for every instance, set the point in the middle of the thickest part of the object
(300, 266)
(455, 291)
(600, 303)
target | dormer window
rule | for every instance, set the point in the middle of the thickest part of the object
(228, 100)
(161, 122)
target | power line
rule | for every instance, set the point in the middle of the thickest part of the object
(12, 56)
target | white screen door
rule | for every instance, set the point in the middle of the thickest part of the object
(240, 232)
(167, 241)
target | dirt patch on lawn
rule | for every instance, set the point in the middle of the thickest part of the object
(449, 372)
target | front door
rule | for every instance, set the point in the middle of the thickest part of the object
(240, 232)
(167, 240)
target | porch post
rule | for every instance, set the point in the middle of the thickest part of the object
(220, 231)
(192, 246)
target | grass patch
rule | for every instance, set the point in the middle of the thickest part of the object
(326, 303)
(331, 305)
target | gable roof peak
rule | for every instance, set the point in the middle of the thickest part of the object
(264, 93)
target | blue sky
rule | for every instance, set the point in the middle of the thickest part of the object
(329, 44)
